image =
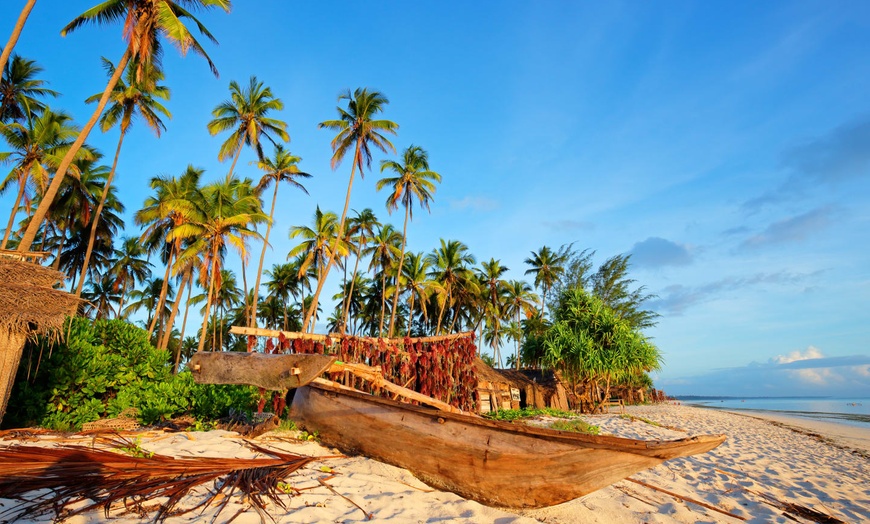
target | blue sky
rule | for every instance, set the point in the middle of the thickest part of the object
(725, 145)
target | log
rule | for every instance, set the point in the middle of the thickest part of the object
(273, 372)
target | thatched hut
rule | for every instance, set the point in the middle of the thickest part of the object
(513, 389)
(29, 306)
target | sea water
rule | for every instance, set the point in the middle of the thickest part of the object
(851, 411)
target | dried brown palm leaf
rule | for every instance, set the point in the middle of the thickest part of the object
(75, 473)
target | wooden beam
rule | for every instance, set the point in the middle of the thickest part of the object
(261, 332)
(373, 375)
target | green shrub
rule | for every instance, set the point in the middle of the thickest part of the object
(575, 426)
(514, 414)
(103, 368)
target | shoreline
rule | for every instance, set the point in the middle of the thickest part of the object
(846, 436)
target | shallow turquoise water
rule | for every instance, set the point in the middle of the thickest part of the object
(850, 411)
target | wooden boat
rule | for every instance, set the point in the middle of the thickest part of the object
(495, 463)
(275, 372)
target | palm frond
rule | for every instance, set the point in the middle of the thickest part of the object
(77, 473)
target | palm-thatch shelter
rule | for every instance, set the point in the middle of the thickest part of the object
(500, 389)
(29, 306)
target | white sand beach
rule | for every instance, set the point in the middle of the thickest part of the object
(760, 468)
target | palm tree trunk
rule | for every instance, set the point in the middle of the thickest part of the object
(383, 301)
(96, 219)
(11, 223)
(163, 292)
(184, 323)
(236, 158)
(245, 287)
(338, 237)
(204, 331)
(346, 311)
(123, 294)
(519, 337)
(410, 313)
(253, 322)
(399, 271)
(54, 187)
(543, 299)
(56, 264)
(13, 38)
(167, 333)
(441, 313)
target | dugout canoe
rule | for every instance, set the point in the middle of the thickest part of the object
(495, 463)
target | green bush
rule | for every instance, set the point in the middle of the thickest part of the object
(516, 414)
(103, 368)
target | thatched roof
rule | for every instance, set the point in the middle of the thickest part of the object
(14, 271)
(544, 379)
(28, 302)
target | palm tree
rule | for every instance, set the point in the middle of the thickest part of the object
(315, 246)
(450, 266)
(281, 168)
(224, 215)
(38, 147)
(173, 205)
(547, 266)
(356, 129)
(147, 299)
(100, 297)
(128, 267)
(419, 285)
(285, 282)
(362, 226)
(519, 299)
(352, 293)
(144, 21)
(493, 286)
(16, 32)
(19, 90)
(413, 180)
(245, 114)
(72, 214)
(384, 252)
(130, 97)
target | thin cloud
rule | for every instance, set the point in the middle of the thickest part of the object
(842, 154)
(569, 225)
(658, 252)
(792, 229)
(676, 299)
(474, 204)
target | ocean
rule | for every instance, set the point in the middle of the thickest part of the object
(850, 411)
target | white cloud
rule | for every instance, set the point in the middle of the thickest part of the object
(794, 356)
(800, 372)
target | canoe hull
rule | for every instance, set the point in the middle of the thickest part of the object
(495, 463)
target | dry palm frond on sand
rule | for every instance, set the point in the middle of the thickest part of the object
(100, 478)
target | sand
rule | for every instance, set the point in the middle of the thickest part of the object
(763, 464)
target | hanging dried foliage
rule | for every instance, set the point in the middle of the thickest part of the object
(75, 473)
(438, 367)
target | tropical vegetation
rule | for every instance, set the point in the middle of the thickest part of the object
(194, 227)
